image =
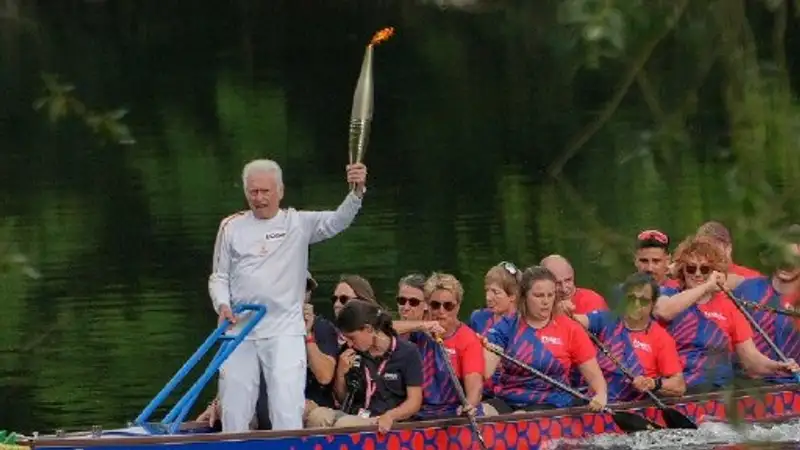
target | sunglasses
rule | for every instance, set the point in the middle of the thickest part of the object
(638, 301)
(509, 267)
(692, 269)
(343, 299)
(653, 235)
(448, 306)
(413, 302)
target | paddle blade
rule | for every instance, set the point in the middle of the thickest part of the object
(674, 419)
(631, 423)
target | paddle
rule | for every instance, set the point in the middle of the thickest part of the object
(459, 390)
(672, 417)
(626, 421)
(757, 327)
(772, 309)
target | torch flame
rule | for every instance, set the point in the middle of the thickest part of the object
(382, 35)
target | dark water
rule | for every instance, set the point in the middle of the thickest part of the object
(472, 110)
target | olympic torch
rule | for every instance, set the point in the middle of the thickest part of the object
(361, 115)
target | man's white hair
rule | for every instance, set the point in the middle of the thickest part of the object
(265, 166)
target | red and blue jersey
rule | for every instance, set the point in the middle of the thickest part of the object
(481, 320)
(587, 300)
(553, 350)
(650, 352)
(439, 396)
(742, 271)
(705, 335)
(780, 328)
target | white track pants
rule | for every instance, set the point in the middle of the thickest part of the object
(283, 361)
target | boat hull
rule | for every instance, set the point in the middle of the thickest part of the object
(521, 431)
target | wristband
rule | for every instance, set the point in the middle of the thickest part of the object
(310, 339)
(659, 384)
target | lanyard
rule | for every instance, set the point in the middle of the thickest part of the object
(372, 386)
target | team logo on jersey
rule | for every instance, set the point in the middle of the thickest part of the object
(714, 315)
(275, 235)
(551, 340)
(642, 346)
(391, 376)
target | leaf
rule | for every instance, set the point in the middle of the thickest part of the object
(40, 103)
(58, 109)
(117, 114)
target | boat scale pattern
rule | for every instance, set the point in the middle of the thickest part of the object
(528, 431)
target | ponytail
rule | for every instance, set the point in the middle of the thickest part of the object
(357, 314)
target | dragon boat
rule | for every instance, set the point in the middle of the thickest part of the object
(512, 431)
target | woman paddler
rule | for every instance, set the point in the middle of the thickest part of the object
(643, 346)
(501, 286)
(552, 344)
(706, 325)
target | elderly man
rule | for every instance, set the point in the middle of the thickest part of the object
(572, 299)
(261, 256)
(720, 234)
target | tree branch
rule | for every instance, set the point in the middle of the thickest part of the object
(611, 106)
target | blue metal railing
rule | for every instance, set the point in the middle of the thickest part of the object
(172, 421)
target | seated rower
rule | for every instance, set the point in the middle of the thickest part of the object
(780, 291)
(443, 294)
(571, 298)
(642, 345)
(411, 297)
(652, 256)
(501, 285)
(719, 233)
(705, 323)
(552, 344)
(378, 379)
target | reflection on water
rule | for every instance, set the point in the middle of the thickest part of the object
(710, 435)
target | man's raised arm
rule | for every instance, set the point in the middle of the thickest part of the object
(218, 286)
(323, 225)
(327, 224)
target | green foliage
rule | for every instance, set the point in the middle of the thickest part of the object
(59, 103)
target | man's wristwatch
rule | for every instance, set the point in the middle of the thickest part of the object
(659, 384)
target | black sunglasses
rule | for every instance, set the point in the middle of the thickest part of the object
(692, 269)
(342, 299)
(448, 306)
(413, 302)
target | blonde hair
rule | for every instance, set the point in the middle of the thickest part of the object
(443, 282)
(705, 247)
(503, 278)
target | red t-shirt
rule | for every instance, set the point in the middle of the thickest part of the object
(587, 300)
(656, 350)
(721, 310)
(466, 352)
(567, 341)
(742, 271)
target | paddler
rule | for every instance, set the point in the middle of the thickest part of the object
(652, 256)
(638, 342)
(501, 287)
(261, 256)
(551, 343)
(707, 327)
(572, 299)
(444, 295)
(779, 290)
(720, 234)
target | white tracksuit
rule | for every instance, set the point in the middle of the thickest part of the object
(265, 261)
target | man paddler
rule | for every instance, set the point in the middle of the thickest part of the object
(572, 299)
(261, 256)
